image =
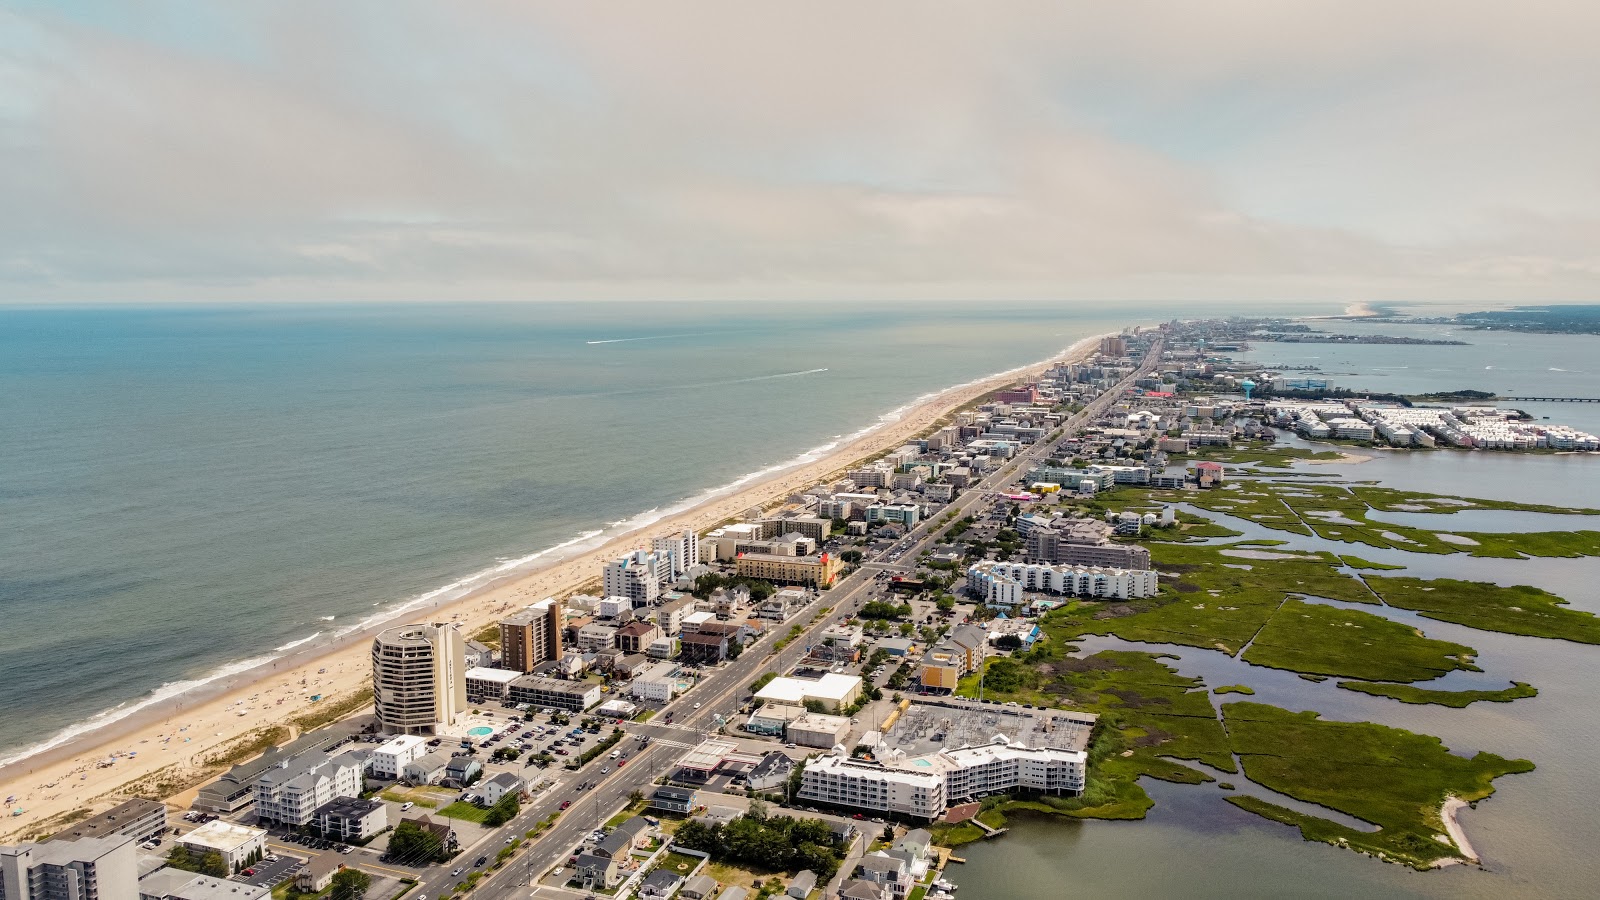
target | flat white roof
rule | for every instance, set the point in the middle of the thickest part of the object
(832, 687)
(222, 836)
(483, 673)
(400, 743)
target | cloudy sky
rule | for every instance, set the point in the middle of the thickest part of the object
(1276, 149)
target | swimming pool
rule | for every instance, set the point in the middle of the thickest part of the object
(480, 731)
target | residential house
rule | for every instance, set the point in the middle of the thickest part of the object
(461, 771)
(493, 789)
(802, 885)
(862, 889)
(317, 873)
(700, 887)
(439, 828)
(660, 883)
(595, 871)
(884, 869)
(425, 770)
(635, 832)
(673, 799)
(636, 637)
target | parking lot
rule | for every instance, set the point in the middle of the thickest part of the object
(268, 873)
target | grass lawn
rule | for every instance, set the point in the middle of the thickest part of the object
(678, 863)
(627, 813)
(464, 811)
(1406, 693)
(1393, 778)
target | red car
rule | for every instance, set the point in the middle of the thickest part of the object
(622, 762)
(566, 803)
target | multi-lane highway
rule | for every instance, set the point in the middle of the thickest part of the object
(721, 691)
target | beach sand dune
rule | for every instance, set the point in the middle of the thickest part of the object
(168, 749)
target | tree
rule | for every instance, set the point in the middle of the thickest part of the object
(757, 810)
(1008, 642)
(945, 603)
(906, 628)
(635, 797)
(414, 844)
(763, 681)
(503, 811)
(212, 863)
(851, 556)
(815, 706)
(888, 834)
(350, 884)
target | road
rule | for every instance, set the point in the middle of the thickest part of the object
(719, 691)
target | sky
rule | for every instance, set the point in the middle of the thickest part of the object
(1271, 151)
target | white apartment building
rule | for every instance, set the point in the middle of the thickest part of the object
(657, 681)
(841, 781)
(390, 757)
(923, 786)
(678, 552)
(1004, 583)
(236, 844)
(636, 575)
(288, 794)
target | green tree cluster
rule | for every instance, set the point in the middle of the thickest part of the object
(503, 811)
(706, 584)
(350, 884)
(414, 844)
(878, 609)
(208, 863)
(771, 843)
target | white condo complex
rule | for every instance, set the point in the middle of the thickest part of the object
(1041, 751)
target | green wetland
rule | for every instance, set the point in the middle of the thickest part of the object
(1442, 668)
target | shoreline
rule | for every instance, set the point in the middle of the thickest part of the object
(1447, 812)
(172, 735)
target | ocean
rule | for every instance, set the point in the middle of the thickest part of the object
(187, 492)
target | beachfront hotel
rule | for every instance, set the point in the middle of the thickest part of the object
(531, 637)
(418, 682)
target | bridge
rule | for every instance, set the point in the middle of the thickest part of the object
(1556, 399)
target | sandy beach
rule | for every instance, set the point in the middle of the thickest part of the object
(1447, 812)
(173, 738)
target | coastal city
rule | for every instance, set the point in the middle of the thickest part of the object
(792, 703)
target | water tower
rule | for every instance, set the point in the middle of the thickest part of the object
(1247, 386)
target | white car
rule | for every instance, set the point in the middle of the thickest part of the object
(697, 706)
(556, 871)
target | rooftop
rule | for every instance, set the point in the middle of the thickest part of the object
(223, 836)
(949, 724)
(482, 673)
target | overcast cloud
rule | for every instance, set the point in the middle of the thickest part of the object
(501, 150)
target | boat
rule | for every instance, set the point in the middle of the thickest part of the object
(943, 885)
